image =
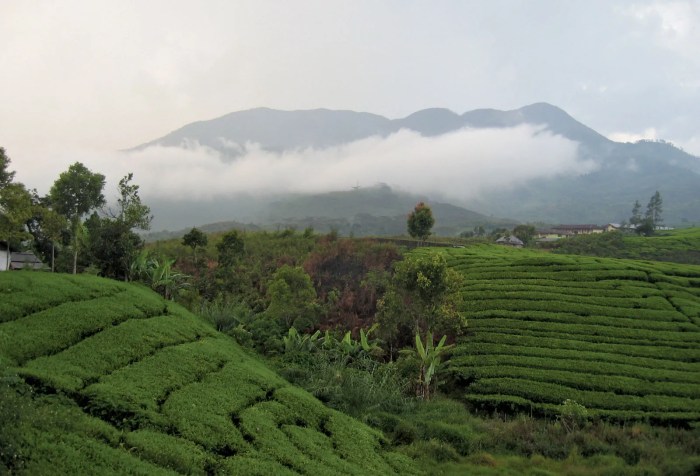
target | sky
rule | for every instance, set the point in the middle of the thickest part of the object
(82, 79)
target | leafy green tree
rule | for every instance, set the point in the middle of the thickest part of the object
(53, 225)
(112, 246)
(195, 239)
(292, 298)
(6, 176)
(654, 210)
(423, 296)
(230, 248)
(113, 242)
(75, 193)
(132, 213)
(15, 210)
(420, 222)
(525, 233)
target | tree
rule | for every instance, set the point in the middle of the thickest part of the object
(113, 242)
(15, 210)
(195, 239)
(6, 176)
(525, 233)
(53, 225)
(112, 246)
(420, 222)
(292, 298)
(132, 212)
(422, 296)
(654, 210)
(636, 217)
(75, 193)
(230, 248)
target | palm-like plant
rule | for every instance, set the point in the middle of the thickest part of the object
(158, 273)
(430, 359)
(296, 342)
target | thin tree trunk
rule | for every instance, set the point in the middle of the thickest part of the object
(75, 260)
(53, 256)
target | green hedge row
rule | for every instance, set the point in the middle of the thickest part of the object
(55, 329)
(546, 317)
(140, 389)
(564, 295)
(508, 403)
(581, 380)
(564, 288)
(672, 370)
(515, 320)
(113, 348)
(561, 307)
(27, 293)
(674, 350)
(554, 393)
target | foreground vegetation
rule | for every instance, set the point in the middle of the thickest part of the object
(119, 380)
(101, 375)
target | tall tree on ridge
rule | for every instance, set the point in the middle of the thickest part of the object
(74, 194)
(420, 222)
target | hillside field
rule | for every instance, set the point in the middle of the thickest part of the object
(620, 337)
(123, 381)
(679, 246)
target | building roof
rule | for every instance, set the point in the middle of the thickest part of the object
(510, 240)
(23, 260)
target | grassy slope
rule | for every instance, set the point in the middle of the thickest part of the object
(120, 380)
(621, 337)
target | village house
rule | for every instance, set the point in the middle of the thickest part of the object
(510, 241)
(18, 259)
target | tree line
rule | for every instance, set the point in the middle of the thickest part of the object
(71, 227)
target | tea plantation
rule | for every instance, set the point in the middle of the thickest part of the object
(120, 381)
(620, 337)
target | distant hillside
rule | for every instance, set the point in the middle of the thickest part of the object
(625, 172)
(120, 381)
(366, 211)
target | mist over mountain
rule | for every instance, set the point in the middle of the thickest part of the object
(536, 163)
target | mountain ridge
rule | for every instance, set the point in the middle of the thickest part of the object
(625, 172)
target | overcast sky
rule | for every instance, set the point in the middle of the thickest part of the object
(81, 78)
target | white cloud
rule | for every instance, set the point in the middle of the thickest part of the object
(459, 165)
(675, 25)
(648, 134)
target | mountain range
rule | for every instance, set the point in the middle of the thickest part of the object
(624, 172)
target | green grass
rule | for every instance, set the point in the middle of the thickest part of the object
(621, 337)
(118, 380)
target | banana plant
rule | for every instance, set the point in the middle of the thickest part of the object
(430, 359)
(296, 342)
(158, 274)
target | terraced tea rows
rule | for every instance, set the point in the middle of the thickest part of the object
(150, 388)
(620, 337)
